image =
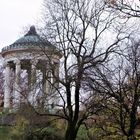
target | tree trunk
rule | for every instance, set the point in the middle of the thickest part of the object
(71, 131)
(133, 121)
(131, 138)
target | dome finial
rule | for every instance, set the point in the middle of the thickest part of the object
(32, 31)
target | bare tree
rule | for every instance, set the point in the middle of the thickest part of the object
(79, 30)
(130, 8)
(121, 83)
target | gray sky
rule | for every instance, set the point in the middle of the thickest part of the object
(14, 15)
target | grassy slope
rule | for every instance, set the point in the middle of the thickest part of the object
(4, 131)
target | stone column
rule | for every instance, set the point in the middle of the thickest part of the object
(48, 80)
(17, 87)
(7, 87)
(33, 73)
(29, 79)
(43, 94)
(56, 72)
(55, 83)
(33, 82)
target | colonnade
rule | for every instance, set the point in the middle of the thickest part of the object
(12, 91)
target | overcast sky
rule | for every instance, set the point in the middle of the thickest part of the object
(14, 15)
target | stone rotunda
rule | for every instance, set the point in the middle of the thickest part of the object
(31, 63)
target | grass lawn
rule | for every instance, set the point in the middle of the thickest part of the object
(4, 131)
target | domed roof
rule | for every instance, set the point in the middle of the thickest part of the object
(30, 37)
(28, 40)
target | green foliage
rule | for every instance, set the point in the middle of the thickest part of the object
(20, 130)
(48, 133)
(4, 130)
(24, 131)
(82, 133)
(98, 133)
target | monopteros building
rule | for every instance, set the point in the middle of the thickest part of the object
(31, 69)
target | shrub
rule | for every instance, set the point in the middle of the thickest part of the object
(82, 133)
(20, 129)
(24, 131)
(48, 133)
